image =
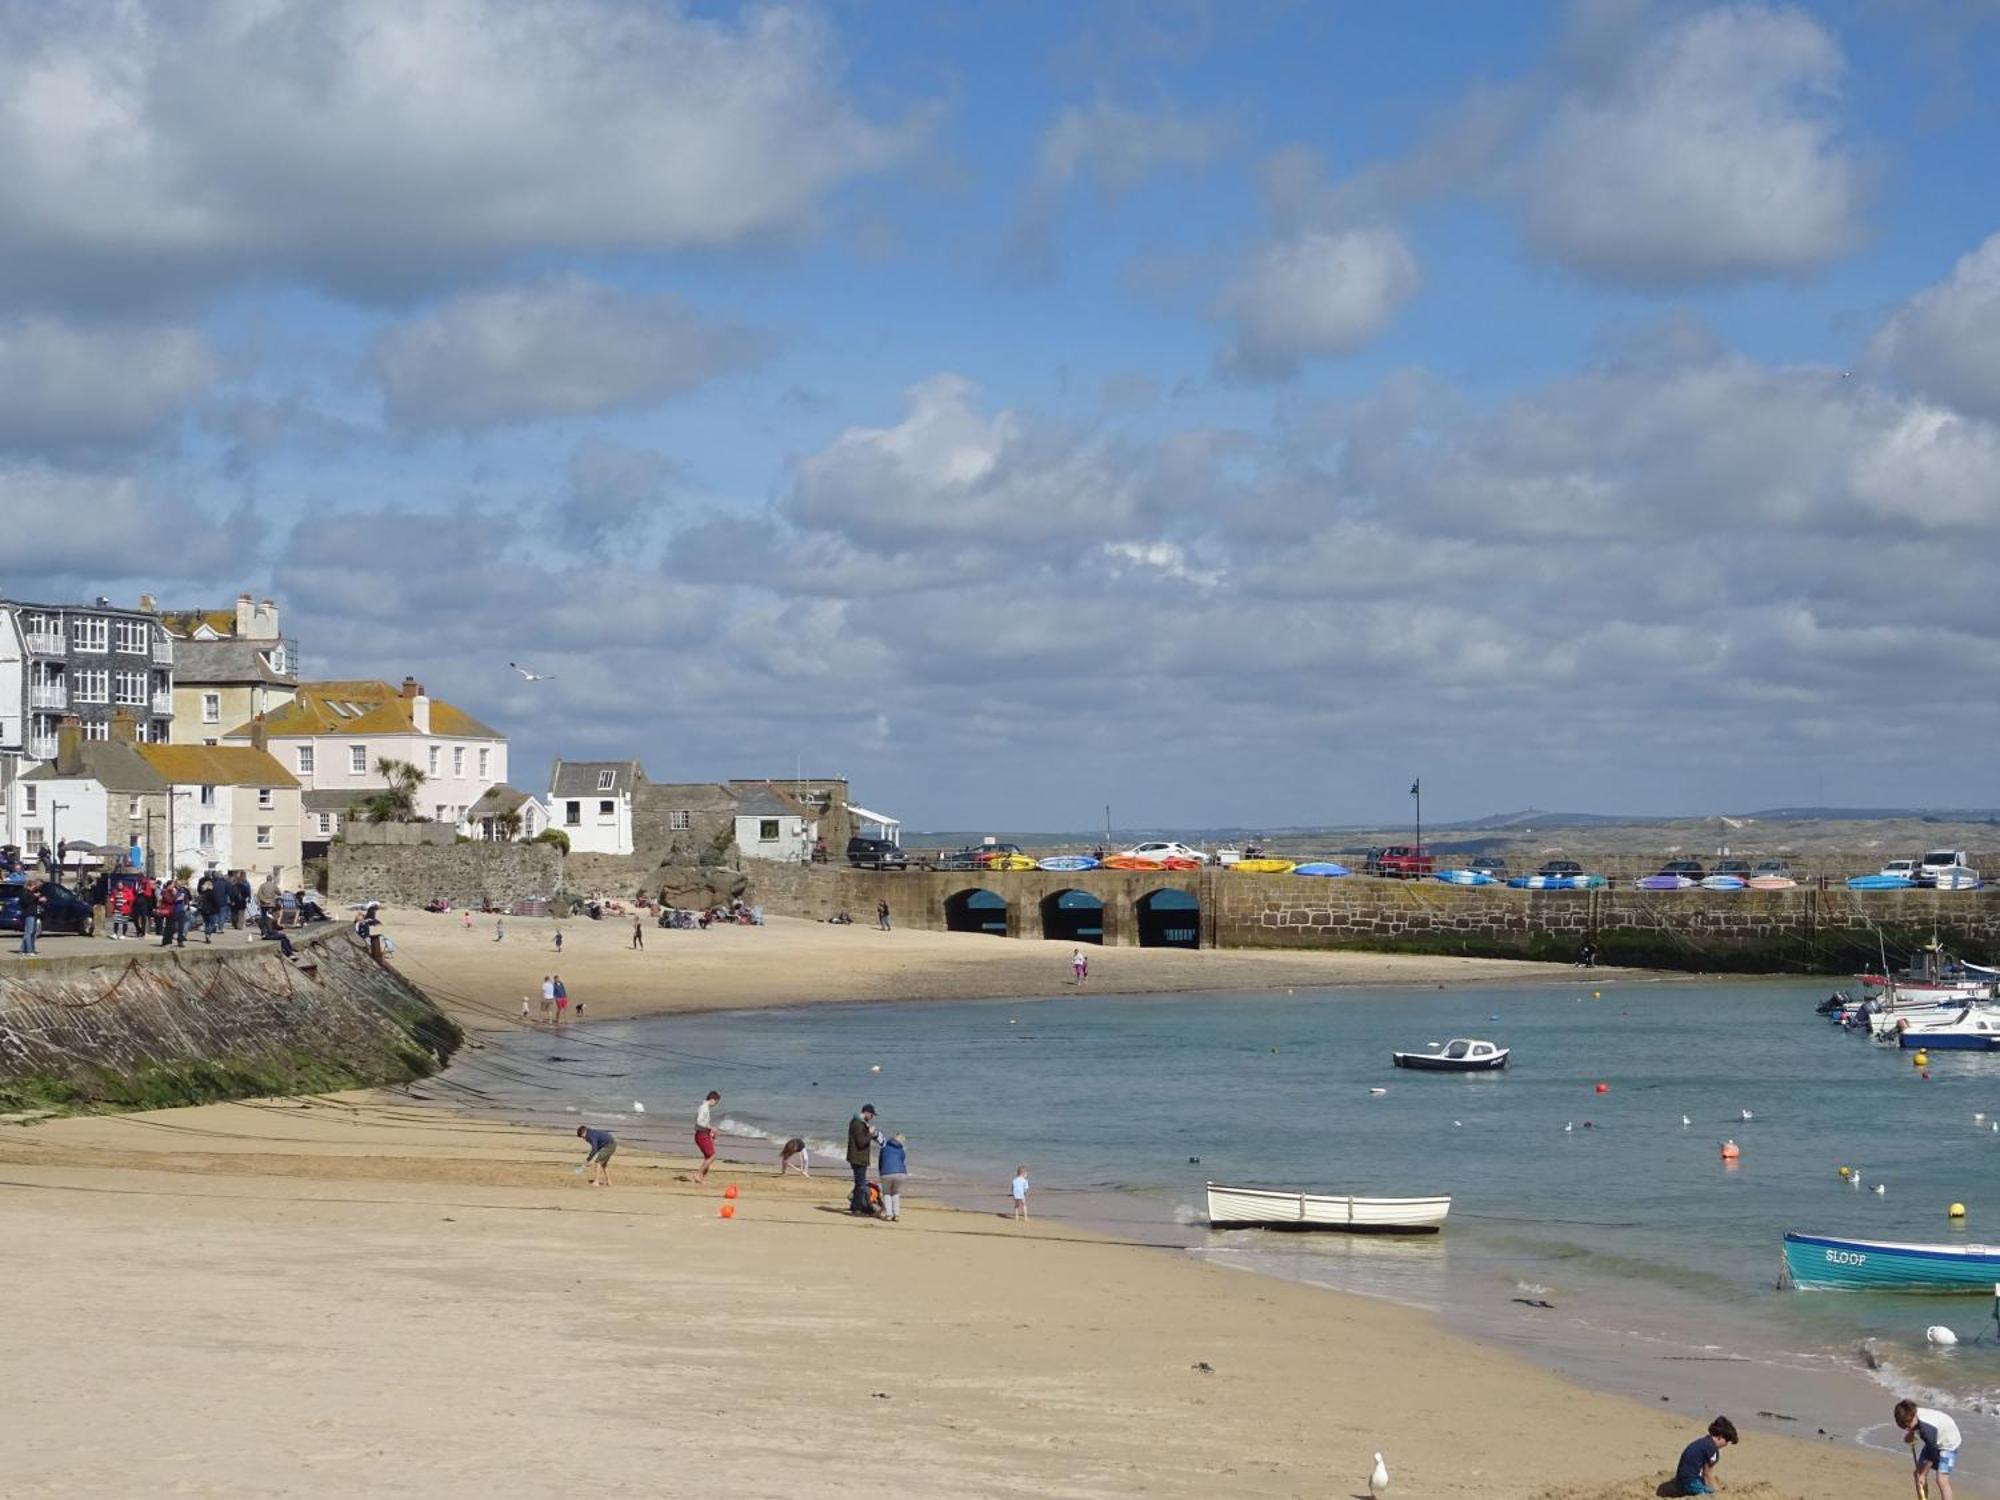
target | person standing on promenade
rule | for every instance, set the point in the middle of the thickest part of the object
(142, 909)
(882, 915)
(639, 934)
(601, 1144)
(31, 916)
(1020, 1192)
(860, 1139)
(173, 915)
(895, 1172)
(704, 1134)
(239, 900)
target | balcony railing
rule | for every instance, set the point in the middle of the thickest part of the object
(44, 642)
(163, 703)
(48, 695)
(163, 653)
(41, 747)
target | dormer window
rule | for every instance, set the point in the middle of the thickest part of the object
(606, 779)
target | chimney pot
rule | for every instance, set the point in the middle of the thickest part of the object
(412, 688)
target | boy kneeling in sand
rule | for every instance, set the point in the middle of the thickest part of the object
(1695, 1474)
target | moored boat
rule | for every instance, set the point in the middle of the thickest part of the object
(1459, 1055)
(1272, 1208)
(1829, 1263)
(1974, 1029)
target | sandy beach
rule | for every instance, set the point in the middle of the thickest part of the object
(359, 1297)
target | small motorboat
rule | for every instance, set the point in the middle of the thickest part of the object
(1974, 1029)
(1272, 1208)
(1459, 1055)
(1826, 1263)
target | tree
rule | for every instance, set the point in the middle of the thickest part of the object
(507, 826)
(397, 801)
(554, 836)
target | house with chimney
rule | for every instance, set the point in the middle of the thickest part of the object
(234, 809)
(230, 665)
(99, 797)
(333, 737)
(591, 801)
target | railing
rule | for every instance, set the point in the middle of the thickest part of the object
(44, 642)
(48, 695)
(41, 747)
(163, 653)
(163, 703)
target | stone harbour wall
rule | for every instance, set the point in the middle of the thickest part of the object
(463, 874)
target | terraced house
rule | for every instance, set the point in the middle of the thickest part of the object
(334, 736)
(230, 665)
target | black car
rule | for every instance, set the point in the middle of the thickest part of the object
(1690, 868)
(875, 854)
(1488, 864)
(1560, 867)
(1737, 867)
(62, 909)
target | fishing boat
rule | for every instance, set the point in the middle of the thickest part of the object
(1459, 1055)
(1271, 1208)
(1828, 1263)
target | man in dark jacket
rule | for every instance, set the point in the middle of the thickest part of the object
(860, 1139)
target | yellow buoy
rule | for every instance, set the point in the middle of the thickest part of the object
(1920, 1060)
(1847, 1171)
(1957, 1210)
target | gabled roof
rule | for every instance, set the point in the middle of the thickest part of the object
(216, 765)
(112, 764)
(763, 802)
(363, 708)
(584, 778)
(339, 801)
(204, 663)
(499, 798)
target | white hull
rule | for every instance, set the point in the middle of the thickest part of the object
(1268, 1208)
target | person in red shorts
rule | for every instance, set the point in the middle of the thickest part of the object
(704, 1133)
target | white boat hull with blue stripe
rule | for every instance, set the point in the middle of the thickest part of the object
(1828, 1263)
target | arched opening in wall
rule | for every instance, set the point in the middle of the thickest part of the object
(1169, 919)
(976, 911)
(1073, 917)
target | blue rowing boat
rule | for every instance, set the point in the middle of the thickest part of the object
(1825, 1263)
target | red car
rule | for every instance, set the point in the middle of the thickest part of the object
(1401, 862)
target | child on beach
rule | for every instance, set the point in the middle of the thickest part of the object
(1934, 1435)
(1695, 1474)
(558, 940)
(704, 1133)
(499, 929)
(794, 1150)
(562, 999)
(1021, 1192)
(465, 919)
(1079, 965)
(524, 1008)
(639, 934)
(601, 1144)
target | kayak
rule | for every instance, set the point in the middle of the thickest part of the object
(1264, 866)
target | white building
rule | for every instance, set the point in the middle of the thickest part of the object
(95, 792)
(488, 817)
(770, 825)
(334, 736)
(234, 808)
(591, 802)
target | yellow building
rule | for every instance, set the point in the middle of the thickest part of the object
(230, 665)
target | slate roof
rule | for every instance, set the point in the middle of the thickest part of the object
(113, 764)
(764, 802)
(216, 765)
(499, 798)
(363, 708)
(200, 663)
(580, 778)
(185, 622)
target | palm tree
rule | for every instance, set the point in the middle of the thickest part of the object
(397, 801)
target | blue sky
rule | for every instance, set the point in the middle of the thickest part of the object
(1227, 412)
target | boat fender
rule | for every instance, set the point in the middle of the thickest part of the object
(1940, 1335)
(1730, 1151)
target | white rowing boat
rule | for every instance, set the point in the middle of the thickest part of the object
(1269, 1208)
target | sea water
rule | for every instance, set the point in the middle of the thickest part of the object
(1659, 1259)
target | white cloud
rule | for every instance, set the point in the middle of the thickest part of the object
(560, 348)
(1946, 339)
(80, 529)
(370, 142)
(1316, 294)
(67, 385)
(1712, 154)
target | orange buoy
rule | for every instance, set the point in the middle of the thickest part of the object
(730, 1191)
(1730, 1151)
(1604, 1088)
(728, 1210)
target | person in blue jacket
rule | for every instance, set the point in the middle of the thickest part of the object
(895, 1169)
(601, 1144)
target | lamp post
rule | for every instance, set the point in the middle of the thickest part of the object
(1417, 791)
(55, 842)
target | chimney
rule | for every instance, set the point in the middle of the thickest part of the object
(412, 688)
(260, 737)
(149, 604)
(69, 746)
(266, 618)
(244, 617)
(124, 727)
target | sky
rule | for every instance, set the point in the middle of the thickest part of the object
(1223, 412)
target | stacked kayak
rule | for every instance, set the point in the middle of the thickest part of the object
(1321, 868)
(1666, 883)
(1772, 883)
(1065, 863)
(1725, 883)
(1466, 877)
(1556, 882)
(1881, 883)
(1131, 862)
(1264, 866)
(1010, 862)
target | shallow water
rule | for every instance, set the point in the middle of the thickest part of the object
(1659, 1258)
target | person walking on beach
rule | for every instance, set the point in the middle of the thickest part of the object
(860, 1139)
(1695, 1474)
(1020, 1193)
(524, 1010)
(465, 919)
(562, 999)
(895, 1172)
(1079, 966)
(1934, 1436)
(794, 1150)
(704, 1134)
(600, 1144)
(882, 915)
(548, 1000)
(499, 929)
(558, 940)
(639, 934)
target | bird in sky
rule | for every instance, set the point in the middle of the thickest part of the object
(527, 676)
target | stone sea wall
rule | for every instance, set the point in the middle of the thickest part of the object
(463, 874)
(157, 1029)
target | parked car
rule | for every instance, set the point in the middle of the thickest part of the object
(1737, 867)
(1689, 868)
(1935, 860)
(1778, 868)
(1401, 862)
(1488, 864)
(62, 909)
(1903, 869)
(1560, 867)
(876, 854)
(1163, 850)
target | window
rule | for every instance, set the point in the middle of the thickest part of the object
(132, 637)
(32, 838)
(28, 790)
(263, 835)
(458, 760)
(357, 760)
(93, 685)
(680, 820)
(97, 731)
(132, 808)
(767, 831)
(326, 822)
(443, 813)
(485, 764)
(206, 838)
(128, 687)
(305, 760)
(607, 810)
(435, 753)
(606, 780)
(91, 633)
(264, 797)
(573, 814)
(206, 796)
(211, 708)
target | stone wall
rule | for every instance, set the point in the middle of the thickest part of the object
(165, 1028)
(463, 874)
(360, 831)
(710, 808)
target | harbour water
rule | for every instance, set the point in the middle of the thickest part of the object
(1658, 1260)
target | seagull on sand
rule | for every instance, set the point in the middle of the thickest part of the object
(1378, 1477)
(527, 676)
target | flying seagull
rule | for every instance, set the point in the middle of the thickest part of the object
(528, 676)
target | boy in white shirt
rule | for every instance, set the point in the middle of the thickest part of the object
(1935, 1437)
(1021, 1199)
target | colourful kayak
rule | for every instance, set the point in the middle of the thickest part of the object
(1881, 883)
(1264, 866)
(1132, 862)
(1773, 883)
(1725, 883)
(1465, 877)
(1066, 863)
(1825, 1263)
(1321, 868)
